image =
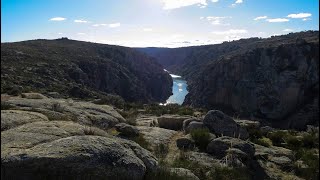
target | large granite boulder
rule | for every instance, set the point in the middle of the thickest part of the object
(219, 146)
(127, 130)
(173, 122)
(155, 135)
(194, 125)
(222, 124)
(183, 173)
(86, 157)
(185, 142)
(147, 120)
(186, 123)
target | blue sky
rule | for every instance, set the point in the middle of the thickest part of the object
(161, 23)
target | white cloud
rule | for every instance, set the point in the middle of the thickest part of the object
(300, 15)
(57, 19)
(231, 32)
(237, 2)
(260, 17)
(80, 21)
(60, 33)
(201, 17)
(217, 20)
(97, 25)
(174, 4)
(287, 30)
(214, 1)
(114, 25)
(306, 19)
(147, 29)
(278, 20)
(81, 33)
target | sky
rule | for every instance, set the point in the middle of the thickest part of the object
(155, 23)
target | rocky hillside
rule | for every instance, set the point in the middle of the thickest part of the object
(50, 138)
(82, 69)
(276, 79)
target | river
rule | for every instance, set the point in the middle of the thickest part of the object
(179, 90)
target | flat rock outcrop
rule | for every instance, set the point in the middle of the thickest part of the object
(14, 118)
(102, 116)
(34, 147)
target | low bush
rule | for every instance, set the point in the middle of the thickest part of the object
(168, 109)
(163, 174)
(201, 138)
(227, 173)
(182, 161)
(14, 91)
(110, 99)
(129, 115)
(254, 132)
(141, 141)
(161, 150)
(57, 107)
(88, 130)
(278, 137)
(5, 105)
(311, 140)
(263, 142)
(311, 159)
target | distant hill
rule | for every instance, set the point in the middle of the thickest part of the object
(82, 69)
(275, 78)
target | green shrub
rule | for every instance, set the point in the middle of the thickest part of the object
(227, 173)
(5, 105)
(263, 142)
(293, 142)
(57, 107)
(201, 138)
(110, 99)
(278, 137)
(168, 109)
(132, 121)
(88, 130)
(311, 159)
(14, 91)
(161, 150)
(162, 173)
(129, 115)
(142, 142)
(254, 132)
(311, 140)
(182, 161)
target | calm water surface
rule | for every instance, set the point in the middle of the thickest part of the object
(179, 90)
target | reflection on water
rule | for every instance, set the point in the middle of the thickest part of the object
(179, 90)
